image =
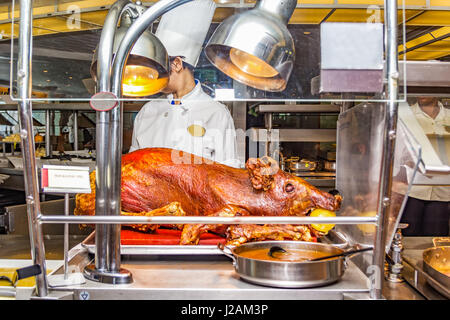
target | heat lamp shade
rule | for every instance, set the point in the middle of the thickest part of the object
(255, 48)
(147, 68)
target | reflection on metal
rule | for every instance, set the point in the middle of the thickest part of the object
(433, 169)
(255, 47)
(28, 154)
(425, 73)
(147, 69)
(351, 57)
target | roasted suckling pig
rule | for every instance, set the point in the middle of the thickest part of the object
(159, 181)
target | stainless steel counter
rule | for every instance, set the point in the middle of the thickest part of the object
(200, 277)
(413, 266)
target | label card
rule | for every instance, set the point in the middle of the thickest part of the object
(65, 179)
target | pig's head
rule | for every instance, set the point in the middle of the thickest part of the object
(285, 194)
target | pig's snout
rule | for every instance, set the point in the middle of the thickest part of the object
(327, 200)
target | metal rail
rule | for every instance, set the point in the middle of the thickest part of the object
(27, 138)
(105, 262)
(390, 132)
(110, 125)
(204, 220)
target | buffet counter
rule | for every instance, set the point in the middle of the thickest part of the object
(192, 277)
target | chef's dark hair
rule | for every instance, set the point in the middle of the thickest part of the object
(185, 64)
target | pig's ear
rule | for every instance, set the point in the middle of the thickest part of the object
(261, 172)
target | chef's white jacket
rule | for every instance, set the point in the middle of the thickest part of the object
(164, 124)
(437, 127)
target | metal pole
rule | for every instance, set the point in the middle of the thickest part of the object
(100, 270)
(391, 116)
(66, 237)
(75, 130)
(109, 137)
(26, 134)
(133, 220)
(48, 146)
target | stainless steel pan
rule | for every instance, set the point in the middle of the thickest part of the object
(302, 166)
(288, 274)
(436, 262)
(329, 165)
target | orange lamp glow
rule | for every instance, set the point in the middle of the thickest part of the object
(141, 81)
(251, 65)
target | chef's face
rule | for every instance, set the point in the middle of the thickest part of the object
(177, 72)
(426, 101)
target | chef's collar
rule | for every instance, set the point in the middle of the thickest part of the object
(418, 110)
(190, 96)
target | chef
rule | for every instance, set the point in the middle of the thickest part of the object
(188, 120)
(428, 208)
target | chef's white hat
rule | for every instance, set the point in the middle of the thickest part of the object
(183, 29)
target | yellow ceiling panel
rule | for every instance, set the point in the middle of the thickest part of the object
(425, 55)
(37, 10)
(6, 29)
(59, 24)
(408, 14)
(412, 2)
(65, 5)
(419, 40)
(315, 1)
(4, 8)
(361, 2)
(441, 32)
(442, 45)
(308, 16)
(356, 15)
(439, 3)
(42, 32)
(431, 18)
(381, 2)
(96, 17)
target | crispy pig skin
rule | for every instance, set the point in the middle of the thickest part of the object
(153, 178)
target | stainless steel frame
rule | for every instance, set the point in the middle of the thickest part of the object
(105, 262)
(109, 135)
(109, 131)
(26, 134)
(390, 132)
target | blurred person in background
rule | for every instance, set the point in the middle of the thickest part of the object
(427, 211)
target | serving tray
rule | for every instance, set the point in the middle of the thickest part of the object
(165, 242)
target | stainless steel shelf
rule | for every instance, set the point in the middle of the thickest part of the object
(293, 135)
(298, 108)
(70, 106)
(206, 278)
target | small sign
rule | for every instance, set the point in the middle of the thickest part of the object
(65, 179)
(224, 94)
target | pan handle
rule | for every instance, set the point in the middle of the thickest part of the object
(441, 241)
(357, 250)
(229, 254)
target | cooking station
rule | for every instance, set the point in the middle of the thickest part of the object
(363, 165)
